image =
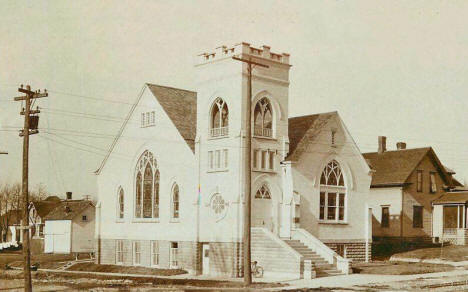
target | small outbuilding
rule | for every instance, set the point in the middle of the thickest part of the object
(69, 228)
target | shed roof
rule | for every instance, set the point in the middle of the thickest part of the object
(68, 209)
(452, 198)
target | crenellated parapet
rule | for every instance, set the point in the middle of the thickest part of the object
(244, 49)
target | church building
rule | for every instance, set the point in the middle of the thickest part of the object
(171, 189)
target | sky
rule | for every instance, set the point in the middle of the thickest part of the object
(392, 68)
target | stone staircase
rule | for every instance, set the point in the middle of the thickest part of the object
(320, 265)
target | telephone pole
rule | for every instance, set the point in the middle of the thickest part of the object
(31, 120)
(248, 176)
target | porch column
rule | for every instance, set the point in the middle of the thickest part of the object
(286, 220)
(458, 217)
(464, 217)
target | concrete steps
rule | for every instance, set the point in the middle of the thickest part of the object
(322, 267)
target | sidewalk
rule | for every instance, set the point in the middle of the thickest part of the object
(363, 279)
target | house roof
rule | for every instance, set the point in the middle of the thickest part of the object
(181, 107)
(452, 198)
(392, 168)
(303, 129)
(68, 209)
(45, 207)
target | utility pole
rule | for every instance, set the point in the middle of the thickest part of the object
(248, 176)
(31, 121)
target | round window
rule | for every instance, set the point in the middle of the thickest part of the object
(218, 206)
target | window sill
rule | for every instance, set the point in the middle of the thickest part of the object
(145, 220)
(174, 220)
(264, 170)
(119, 220)
(333, 222)
(264, 137)
(218, 170)
(146, 126)
(217, 137)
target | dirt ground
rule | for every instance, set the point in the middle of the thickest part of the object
(398, 268)
(454, 253)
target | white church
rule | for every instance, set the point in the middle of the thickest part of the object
(171, 189)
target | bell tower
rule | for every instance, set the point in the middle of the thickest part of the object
(222, 91)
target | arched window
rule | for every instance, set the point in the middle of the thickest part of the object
(263, 193)
(219, 118)
(175, 202)
(120, 205)
(147, 187)
(332, 193)
(263, 118)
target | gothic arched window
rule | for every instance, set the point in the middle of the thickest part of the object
(332, 193)
(263, 193)
(147, 187)
(120, 206)
(263, 118)
(219, 118)
(175, 202)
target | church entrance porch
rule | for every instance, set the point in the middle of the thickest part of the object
(262, 210)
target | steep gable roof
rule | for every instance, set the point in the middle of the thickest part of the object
(181, 107)
(304, 129)
(179, 104)
(68, 209)
(392, 168)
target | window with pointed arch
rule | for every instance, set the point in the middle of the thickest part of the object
(175, 202)
(219, 118)
(263, 193)
(120, 204)
(147, 187)
(263, 118)
(332, 193)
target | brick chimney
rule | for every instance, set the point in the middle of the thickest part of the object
(401, 146)
(382, 144)
(69, 195)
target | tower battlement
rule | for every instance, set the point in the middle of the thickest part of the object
(243, 48)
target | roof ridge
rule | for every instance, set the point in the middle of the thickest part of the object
(310, 115)
(397, 150)
(170, 87)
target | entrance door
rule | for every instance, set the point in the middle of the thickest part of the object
(206, 259)
(262, 209)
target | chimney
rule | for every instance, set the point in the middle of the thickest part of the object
(401, 146)
(69, 195)
(382, 144)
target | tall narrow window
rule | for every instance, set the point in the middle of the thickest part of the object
(419, 185)
(156, 195)
(121, 204)
(136, 253)
(263, 118)
(174, 254)
(417, 216)
(433, 186)
(271, 160)
(219, 118)
(175, 201)
(119, 252)
(332, 193)
(147, 187)
(154, 253)
(225, 158)
(385, 220)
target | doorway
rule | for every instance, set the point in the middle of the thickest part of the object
(205, 258)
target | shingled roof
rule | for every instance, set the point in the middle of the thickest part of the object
(181, 107)
(303, 129)
(68, 209)
(452, 198)
(394, 167)
(45, 207)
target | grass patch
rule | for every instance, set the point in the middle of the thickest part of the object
(399, 268)
(454, 253)
(45, 260)
(92, 267)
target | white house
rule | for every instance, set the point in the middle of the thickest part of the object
(171, 189)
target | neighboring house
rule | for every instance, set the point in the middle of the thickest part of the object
(404, 184)
(450, 217)
(11, 221)
(37, 212)
(171, 189)
(69, 227)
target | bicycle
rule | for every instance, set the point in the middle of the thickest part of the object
(257, 271)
